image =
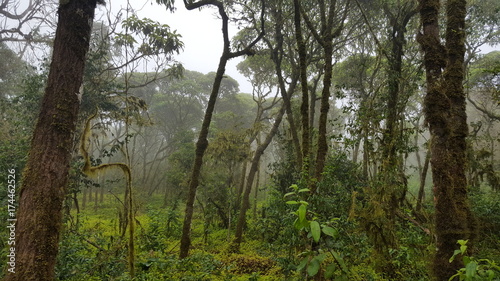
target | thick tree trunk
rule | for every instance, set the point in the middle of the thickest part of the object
(444, 107)
(46, 175)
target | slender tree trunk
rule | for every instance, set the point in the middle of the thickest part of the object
(46, 175)
(201, 146)
(444, 108)
(256, 192)
(202, 143)
(325, 107)
(277, 54)
(423, 178)
(251, 176)
(84, 197)
(304, 107)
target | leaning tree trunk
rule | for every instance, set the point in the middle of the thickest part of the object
(46, 175)
(444, 108)
(251, 176)
(202, 143)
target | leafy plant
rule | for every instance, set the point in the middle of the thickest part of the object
(475, 269)
(316, 231)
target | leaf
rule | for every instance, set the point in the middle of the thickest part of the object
(304, 190)
(340, 260)
(330, 231)
(315, 231)
(321, 257)
(330, 270)
(292, 202)
(302, 264)
(288, 194)
(455, 253)
(297, 224)
(313, 267)
(470, 270)
(302, 212)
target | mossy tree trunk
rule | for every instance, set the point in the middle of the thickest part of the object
(304, 107)
(278, 52)
(444, 108)
(46, 175)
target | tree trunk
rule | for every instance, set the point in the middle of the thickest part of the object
(46, 175)
(444, 108)
(202, 143)
(325, 107)
(251, 175)
(423, 178)
(277, 55)
(304, 107)
(201, 146)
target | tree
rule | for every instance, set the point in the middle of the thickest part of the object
(202, 142)
(23, 25)
(45, 177)
(331, 25)
(444, 107)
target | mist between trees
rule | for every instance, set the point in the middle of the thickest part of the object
(367, 148)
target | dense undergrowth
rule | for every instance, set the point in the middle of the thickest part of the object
(331, 244)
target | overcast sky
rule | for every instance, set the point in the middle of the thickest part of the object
(201, 34)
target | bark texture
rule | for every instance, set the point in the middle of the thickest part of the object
(46, 174)
(444, 108)
(304, 107)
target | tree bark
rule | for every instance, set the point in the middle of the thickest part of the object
(46, 174)
(444, 108)
(423, 178)
(304, 107)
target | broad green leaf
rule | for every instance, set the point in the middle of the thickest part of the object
(321, 257)
(330, 231)
(297, 224)
(491, 274)
(289, 193)
(302, 264)
(330, 270)
(470, 270)
(302, 212)
(466, 260)
(304, 190)
(315, 231)
(313, 267)
(292, 202)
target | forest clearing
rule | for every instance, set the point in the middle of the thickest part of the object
(330, 140)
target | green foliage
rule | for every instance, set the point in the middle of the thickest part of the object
(163, 224)
(156, 38)
(475, 269)
(312, 259)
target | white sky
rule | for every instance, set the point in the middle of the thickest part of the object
(200, 31)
